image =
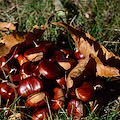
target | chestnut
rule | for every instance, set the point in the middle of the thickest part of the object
(28, 69)
(21, 59)
(61, 82)
(62, 41)
(67, 63)
(98, 84)
(29, 86)
(7, 92)
(40, 114)
(6, 66)
(15, 79)
(97, 104)
(2, 74)
(36, 53)
(37, 99)
(51, 47)
(3, 61)
(68, 53)
(46, 43)
(85, 92)
(49, 69)
(75, 108)
(59, 99)
(78, 55)
(56, 56)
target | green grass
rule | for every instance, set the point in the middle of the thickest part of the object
(101, 18)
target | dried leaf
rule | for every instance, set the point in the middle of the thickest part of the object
(105, 70)
(107, 64)
(23, 39)
(7, 26)
(9, 41)
(84, 68)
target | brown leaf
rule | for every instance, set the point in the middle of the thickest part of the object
(107, 64)
(84, 68)
(105, 70)
(9, 41)
(23, 39)
(7, 26)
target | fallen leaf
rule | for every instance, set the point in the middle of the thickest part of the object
(77, 75)
(98, 60)
(7, 26)
(21, 38)
(105, 70)
(9, 41)
(87, 45)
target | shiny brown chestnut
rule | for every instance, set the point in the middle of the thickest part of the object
(45, 43)
(85, 92)
(67, 63)
(6, 66)
(59, 99)
(78, 55)
(75, 108)
(15, 79)
(41, 114)
(97, 103)
(49, 69)
(28, 69)
(68, 53)
(36, 53)
(51, 47)
(21, 59)
(3, 61)
(56, 56)
(98, 84)
(62, 41)
(61, 82)
(29, 86)
(37, 100)
(7, 92)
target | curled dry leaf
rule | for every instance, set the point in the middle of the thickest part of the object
(104, 63)
(23, 39)
(9, 41)
(78, 73)
(7, 26)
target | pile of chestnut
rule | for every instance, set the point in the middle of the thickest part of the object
(37, 76)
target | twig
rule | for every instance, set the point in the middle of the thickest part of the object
(113, 42)
(73, 20)
(49, 108)
(12, 108)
